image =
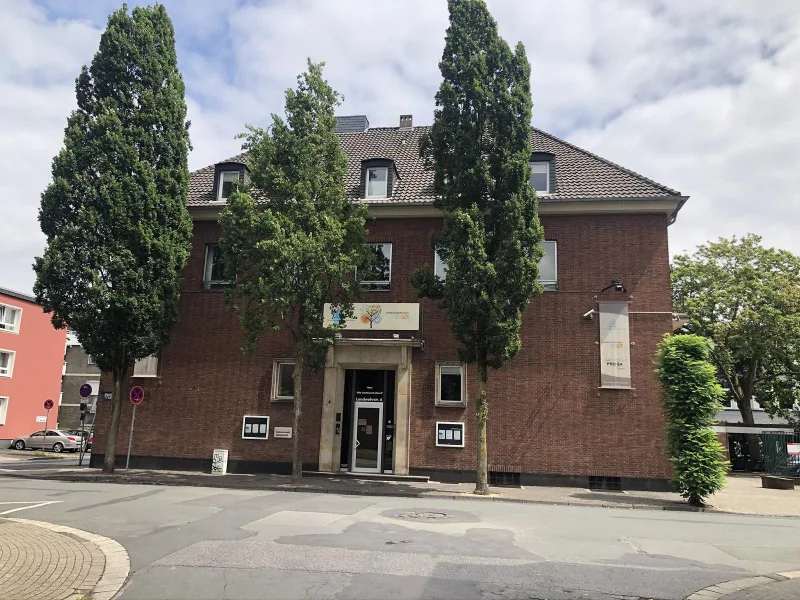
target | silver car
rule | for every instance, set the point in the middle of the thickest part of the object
(57, 441)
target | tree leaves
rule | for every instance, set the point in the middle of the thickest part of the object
(115, 216)
(691, 397)
(746, 299)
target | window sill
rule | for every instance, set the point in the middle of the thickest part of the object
(606, 387)
(283, 400)
(11, 331)
(144, 376)
(450, 404)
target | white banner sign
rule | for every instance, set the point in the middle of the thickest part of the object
(42, 419)
(793, 449)
(615, 347)
(393, 316)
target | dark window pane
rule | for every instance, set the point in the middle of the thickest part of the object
(286, 380)
(378, 274)
(450, 384)
(539, 182)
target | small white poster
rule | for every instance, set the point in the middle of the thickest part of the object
(441, 434)
(457, 434)
(247, 427)
(448, 434)
(262, 428)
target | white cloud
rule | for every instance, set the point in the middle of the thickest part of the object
(695, 94)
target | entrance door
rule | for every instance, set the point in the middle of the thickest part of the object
(367, 436)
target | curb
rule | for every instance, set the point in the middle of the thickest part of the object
(721, 590)
(312, 489)
(117, 565)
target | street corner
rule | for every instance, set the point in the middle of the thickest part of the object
(50, 562)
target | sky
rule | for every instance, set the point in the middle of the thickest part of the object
(699, 95)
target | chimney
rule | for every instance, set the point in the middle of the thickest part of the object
(406, 121)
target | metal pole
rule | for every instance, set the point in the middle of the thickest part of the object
(81, 441)
(46, 423)
(130, 439)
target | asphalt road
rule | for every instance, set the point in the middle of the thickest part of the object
(203, 543)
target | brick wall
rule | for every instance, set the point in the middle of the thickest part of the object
(546, 412)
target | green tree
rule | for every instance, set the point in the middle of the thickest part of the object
(296, 251)
(691, 397)
(479, 150)
(745, 298)
(115, 217)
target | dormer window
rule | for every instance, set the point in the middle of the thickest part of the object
(377, 182)
(540, 177)
(225, 184)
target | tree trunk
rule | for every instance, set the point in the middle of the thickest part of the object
(297, 451)
(481, 413)
(113, 428)
(753, 446)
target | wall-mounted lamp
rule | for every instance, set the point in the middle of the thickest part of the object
(616, 284)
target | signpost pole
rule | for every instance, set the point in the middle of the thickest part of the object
(130, 439)
(46, 425)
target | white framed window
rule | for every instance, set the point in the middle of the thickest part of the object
(283, 380)
(379, 275)
(540, 177)
(227, 179)
(10, 317)
(6, 362)
(439, 267)
(89, 360)
(214, 270)
(548, 266)
(3, 409)
(377, 182)
(451, 387)
(146, 367)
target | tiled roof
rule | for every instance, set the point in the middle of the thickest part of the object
(578, 174)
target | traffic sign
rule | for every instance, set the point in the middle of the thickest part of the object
(48, 404)
(137, 395)
(86, 390)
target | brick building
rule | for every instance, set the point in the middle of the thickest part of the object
(79, 369)
(31, 363)
(578, 405)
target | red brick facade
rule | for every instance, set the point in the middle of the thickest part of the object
(547, 415)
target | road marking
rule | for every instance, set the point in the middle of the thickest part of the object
(33, 505)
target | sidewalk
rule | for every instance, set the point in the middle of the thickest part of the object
(743, 496)
(781, 586)
(42, 561)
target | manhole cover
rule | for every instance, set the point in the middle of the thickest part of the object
(423, 516)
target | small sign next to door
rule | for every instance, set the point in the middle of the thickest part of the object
(283, 432)
(450, 434)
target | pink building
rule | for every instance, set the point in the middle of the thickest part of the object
(31, 365)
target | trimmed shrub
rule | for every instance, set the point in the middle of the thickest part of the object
(691, 396)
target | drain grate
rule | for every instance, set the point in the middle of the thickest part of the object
(423, 515)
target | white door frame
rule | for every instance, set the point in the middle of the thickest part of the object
(379, 467)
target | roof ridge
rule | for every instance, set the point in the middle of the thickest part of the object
(606, 161)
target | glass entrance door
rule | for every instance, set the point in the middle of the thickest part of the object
(367, 436)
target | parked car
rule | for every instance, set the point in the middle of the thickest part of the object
(87, 435)
(57, 441)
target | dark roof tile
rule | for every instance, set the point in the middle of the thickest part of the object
(578, 174)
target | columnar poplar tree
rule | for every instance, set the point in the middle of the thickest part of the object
(691, 397)
(115, 216)
(479, 150)
(291, 240)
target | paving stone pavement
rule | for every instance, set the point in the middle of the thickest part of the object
(42, 561)
(780, 590)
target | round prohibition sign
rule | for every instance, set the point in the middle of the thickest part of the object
(85, 391)
(48, 404)
(137, 395)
